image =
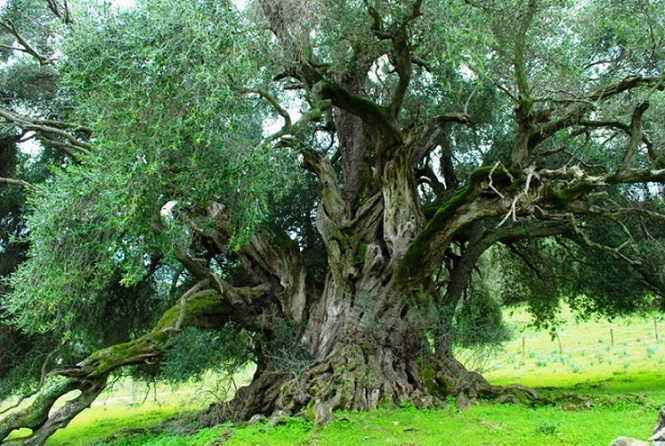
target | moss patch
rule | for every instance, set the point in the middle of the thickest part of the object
(410, 264)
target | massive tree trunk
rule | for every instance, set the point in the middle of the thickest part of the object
(373, 329)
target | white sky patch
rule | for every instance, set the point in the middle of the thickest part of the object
(241, 5)
(30, 146)
(123, 4)
(293, 104)
(380, 69)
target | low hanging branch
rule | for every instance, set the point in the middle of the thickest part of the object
(205, 309)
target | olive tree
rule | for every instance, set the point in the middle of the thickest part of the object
(323, 181)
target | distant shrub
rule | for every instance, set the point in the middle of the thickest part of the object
(479, 321)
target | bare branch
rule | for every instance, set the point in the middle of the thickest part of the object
(431, 131)
(17, 182)
(72, 145)
(614, 251)
(271, 99)
(9, 26)
(333, 200)
(183, 302)
(61, 11)
(576, 115)
(523, 194)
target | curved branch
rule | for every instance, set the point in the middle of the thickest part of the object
(271, 258)
(61, 11)
(427, 250)
(72, 145)
(275, 253)
(270, 98)
(463, 268)
(430, 133)
(577, 114)
(635, 134)
(333, 201)
(375, 116)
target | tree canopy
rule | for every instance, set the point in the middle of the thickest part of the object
(335, 190)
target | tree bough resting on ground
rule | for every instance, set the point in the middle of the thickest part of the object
(330, 183)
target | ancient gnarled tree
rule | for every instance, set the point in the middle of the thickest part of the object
(332, 181)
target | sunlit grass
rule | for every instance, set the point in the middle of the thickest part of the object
(584, 351)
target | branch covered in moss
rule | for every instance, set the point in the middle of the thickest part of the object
(205, 309)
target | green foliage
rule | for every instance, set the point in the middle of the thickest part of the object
(284, 348)
(168, 102)
(479, 321)
(171, 128)
(196, 351)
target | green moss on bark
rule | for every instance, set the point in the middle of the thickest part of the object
(410, 264)
(562, 197)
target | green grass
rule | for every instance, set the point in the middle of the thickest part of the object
(585, 352)
(482, 424)
(626, 373)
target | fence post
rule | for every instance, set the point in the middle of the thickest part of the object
(523, 347)
(612, 336)
(655, 328)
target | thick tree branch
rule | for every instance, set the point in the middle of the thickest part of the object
(491, 192)
(428, 135)
(520, 152)
(275, 257)
(402, 57)
(463, 268)
(576, 115)
(271, 259)
(581, 178)
(205, 310)
(333, 201)
(17, 182)
(427, 250)
(376, 117)
(635, 134)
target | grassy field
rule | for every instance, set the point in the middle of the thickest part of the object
(617, 362)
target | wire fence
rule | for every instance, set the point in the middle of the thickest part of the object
(613, 336)
(574, 346)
